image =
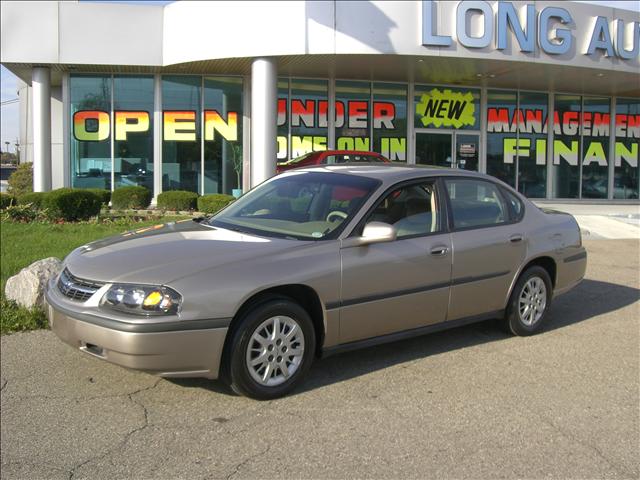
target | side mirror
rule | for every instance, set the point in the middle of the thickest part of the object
(378, 232)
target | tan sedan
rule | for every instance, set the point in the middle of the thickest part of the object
(313, 262)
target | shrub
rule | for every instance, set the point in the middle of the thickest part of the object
(71, 205)
(21, 213)
(131, 198)
(36, 199)
(214, 203)
(21, 181)
(6, 200)
(177, 200)
(105, 195)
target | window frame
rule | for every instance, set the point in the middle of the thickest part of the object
(516, 217)
(510, 214)
(441, 206)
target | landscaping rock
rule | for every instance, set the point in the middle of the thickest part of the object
(27, 287)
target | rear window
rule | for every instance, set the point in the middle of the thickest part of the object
(476, 203)
(350, 158)
(515, 203)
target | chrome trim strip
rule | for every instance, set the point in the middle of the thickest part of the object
(396, 293)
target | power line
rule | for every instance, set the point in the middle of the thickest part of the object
(9, 102)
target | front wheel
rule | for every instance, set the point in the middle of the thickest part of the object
(529, 302)
(271, 350)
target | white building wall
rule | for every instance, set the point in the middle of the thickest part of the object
(185, 31)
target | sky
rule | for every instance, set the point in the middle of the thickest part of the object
(9, 113)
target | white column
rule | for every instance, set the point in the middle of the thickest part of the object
(264, 102)
(41, 83)
(158, 125)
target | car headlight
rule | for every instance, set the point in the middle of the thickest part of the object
(142, 299)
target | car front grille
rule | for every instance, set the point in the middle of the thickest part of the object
(76, 288)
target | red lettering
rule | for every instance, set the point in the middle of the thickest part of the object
(358, 114)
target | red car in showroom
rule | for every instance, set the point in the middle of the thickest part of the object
(331, 157)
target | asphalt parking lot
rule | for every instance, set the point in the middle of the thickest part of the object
(470, 402)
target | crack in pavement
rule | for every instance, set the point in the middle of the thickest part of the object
(127, 436)
(619, 469)
(4, 384)
(237, 468)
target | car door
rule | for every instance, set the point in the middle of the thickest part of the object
(488, 247)
(403, 284)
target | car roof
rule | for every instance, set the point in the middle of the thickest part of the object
(392, 172)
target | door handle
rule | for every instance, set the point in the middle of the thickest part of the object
(439, 251)
(515, 238)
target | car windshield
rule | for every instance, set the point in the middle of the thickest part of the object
(299, 205)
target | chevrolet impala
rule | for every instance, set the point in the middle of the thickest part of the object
(313, 262)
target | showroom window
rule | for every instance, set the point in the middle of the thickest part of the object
(222, 135)
(446, 107)
(531, 148)
(501, 135)
(627, 139)
(181, 163)
(390, 120)
(517, 140)
(187, 126)
(595, 121)
(302, 123)
(353, 115)
(567, 150)
(581, 147)
(90, 146)
(283, 120)
(133, 141)
(308, 116)
(360, 124)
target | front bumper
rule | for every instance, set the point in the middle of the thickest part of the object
(175, 353)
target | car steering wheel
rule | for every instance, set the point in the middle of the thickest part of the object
(336, 213)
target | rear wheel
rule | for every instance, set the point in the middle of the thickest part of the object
(271, 350)
(529, 302)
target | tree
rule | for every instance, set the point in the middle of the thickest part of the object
(21, 181)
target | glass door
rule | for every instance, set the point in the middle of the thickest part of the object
(434, 148)
(467, 151)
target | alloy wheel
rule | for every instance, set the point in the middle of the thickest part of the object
(275, 351)
(533, 301)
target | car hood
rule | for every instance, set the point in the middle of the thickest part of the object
(162, 253)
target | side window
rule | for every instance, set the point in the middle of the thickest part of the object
(516, 205)
(412, 209)
(475, 203)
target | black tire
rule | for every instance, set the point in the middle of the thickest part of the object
(238, 376)
(513, 321)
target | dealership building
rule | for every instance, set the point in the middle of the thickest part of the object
(208, 96)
